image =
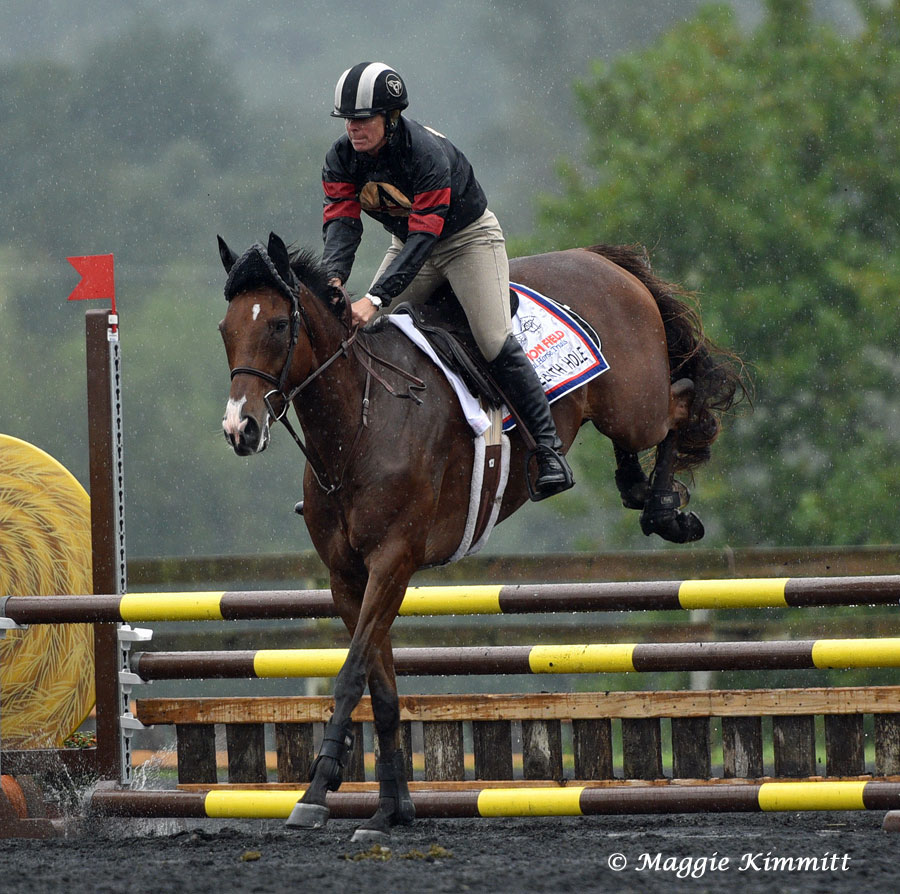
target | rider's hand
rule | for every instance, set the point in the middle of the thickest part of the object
(339, 297)
(362, 311)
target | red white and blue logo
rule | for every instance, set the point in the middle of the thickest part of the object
(562, 347)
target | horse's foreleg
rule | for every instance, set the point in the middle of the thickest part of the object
(327, 772)
(661, 514)
(379, 608)
(395, 806)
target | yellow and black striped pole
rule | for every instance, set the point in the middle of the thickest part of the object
(488, 599)
(572, 800)
(563, 659)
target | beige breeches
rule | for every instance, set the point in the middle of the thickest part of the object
(474, 262)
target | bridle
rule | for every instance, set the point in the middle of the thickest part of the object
(349, 345)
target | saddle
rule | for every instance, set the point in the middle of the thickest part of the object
(443, 323)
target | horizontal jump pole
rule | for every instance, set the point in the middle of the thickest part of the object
(463, 600)
(568, 659)
(571, 800)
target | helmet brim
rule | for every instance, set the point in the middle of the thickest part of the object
(358, 114)
(367, 113)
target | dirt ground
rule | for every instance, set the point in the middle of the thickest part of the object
(765, 853)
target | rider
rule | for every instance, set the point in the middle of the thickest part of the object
(423, 191)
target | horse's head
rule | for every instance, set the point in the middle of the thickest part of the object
(267, 335)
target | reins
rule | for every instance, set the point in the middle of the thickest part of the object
(349, 346)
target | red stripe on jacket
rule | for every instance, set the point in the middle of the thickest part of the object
(431, 199)
(423, 218)
(350, 208)
(426, 223)
(341, 201)
(339, 190)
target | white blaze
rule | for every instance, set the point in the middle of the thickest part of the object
(232, 423)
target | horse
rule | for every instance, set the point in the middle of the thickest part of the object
(387, 480)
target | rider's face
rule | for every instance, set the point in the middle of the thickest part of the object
(367, 134)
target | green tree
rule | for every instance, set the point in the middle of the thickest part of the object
(146, 149)
(763, 170)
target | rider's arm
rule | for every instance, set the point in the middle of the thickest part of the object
(430, 169)
(404, 267)
(341, 225)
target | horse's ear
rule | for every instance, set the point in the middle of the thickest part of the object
(280, 258)
(226, 254)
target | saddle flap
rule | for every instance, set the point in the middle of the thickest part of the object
(449, 334)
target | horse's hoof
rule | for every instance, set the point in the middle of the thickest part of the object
(375, 830)
(693, 527)
(370, 836)
(308, 816)
(674, 526)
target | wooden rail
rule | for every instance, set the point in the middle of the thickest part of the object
(699, 724)
(306, 569)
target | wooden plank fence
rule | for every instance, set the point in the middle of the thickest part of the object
(540, 723)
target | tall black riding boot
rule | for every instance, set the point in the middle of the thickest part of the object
(520, 385)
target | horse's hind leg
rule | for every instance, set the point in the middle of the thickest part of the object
(631, 480)
(395, 806)
(661, 514)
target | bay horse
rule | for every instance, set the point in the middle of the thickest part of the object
(387, 481)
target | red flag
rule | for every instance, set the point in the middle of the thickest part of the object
(97, 278)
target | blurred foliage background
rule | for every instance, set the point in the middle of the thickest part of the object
(753, 147)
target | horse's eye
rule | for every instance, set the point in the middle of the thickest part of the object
(280, 326)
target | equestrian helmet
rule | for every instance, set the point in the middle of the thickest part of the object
(367, 89)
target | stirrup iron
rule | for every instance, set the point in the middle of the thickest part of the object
(536, 494)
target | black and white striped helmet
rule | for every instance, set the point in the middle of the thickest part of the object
(367, 89)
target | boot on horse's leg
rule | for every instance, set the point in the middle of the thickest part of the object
(326, 775)
(521, 387)
(395, 806)
(661, 513)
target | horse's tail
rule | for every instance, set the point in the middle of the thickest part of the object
(718, 374)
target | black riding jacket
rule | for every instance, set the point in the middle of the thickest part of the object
(420, 187)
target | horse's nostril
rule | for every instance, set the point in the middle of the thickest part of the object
(250, 431)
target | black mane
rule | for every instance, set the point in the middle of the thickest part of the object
(279, 267)
(308, 269)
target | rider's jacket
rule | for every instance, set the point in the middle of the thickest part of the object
(420, 187)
